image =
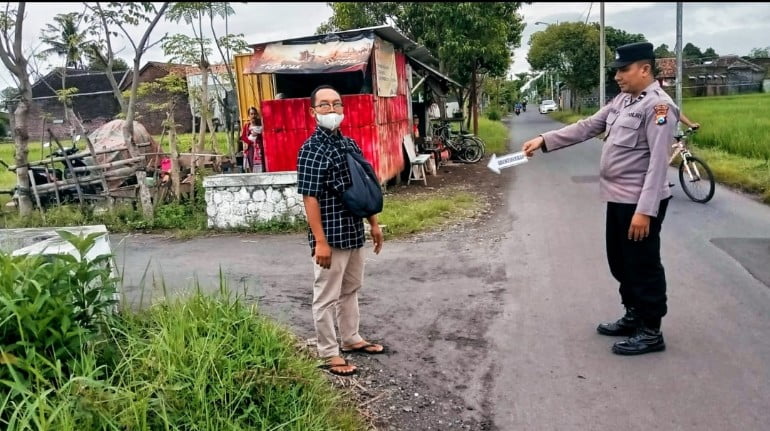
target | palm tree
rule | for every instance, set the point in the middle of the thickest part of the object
(66, 40)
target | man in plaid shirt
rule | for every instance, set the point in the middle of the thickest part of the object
(335, 235)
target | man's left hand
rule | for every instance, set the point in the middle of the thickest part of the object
(640, 227)
(377, 238)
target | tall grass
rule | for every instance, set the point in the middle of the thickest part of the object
(201, 362)
(494, 134)
(736, 124)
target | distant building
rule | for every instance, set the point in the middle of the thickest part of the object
(94, 101)
(728, 74)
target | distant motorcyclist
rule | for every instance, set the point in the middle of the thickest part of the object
(517, 108)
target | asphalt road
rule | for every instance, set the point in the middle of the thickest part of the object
(559, 372)
(495, 325)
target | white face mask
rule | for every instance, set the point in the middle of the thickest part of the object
(329, 121)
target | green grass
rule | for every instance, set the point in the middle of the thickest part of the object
(569, 116)
(201, 362)
(405, 215)
(494, 134)
(744, 173)
(738, 124)
(734, 138)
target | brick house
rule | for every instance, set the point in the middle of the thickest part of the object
(153, 120)
(218, 89)
(94, 101)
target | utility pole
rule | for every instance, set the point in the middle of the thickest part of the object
(602, 60)
(679, 54)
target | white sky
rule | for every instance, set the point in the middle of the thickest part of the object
(730, 28)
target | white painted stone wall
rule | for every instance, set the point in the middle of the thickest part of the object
(241, 200)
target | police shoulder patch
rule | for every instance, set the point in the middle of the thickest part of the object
(660, 114)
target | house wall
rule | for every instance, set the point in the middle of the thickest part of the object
(94, 110)
(392, 123)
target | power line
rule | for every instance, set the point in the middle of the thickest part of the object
(591, 6)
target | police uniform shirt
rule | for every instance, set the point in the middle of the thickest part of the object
(635, 153)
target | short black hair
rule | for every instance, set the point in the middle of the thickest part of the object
(319, 88)
(653, 65)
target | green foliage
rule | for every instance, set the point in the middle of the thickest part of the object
(181, 48)
(571, 49)
(615, 37)
(465, 36)
(98, 64)
(52, 305)
(663, 52)
(691, 52)
(202, 362)
(66, 39)
(760, 52)
(494, 134)
(494, 114)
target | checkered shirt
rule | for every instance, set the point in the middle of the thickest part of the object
(322, 172)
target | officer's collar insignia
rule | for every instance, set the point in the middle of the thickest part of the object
(660, 114)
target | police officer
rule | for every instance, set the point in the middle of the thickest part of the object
(639, 124)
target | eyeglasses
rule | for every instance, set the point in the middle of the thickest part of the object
(326, 106)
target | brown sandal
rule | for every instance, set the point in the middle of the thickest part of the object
(333, 368)
(365, 349)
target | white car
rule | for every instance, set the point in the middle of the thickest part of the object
(547, 106)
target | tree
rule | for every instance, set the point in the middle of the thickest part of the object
(14, 59)
(663, 52)
(66, 40)
(709, 54)
(227, 44)
(174, 89)
(760, 52)
(470, 40)
(124, 15)
(97, 63)
(615, 37)
(691, 52)
(196, 50)
(570, 49)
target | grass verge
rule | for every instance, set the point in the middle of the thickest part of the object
(410, 214)
(494, 134)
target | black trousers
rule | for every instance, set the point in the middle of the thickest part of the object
(636, 265)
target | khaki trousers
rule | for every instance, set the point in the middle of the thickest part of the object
(335, 297)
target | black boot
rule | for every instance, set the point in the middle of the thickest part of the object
(646, 340)
(626, 326)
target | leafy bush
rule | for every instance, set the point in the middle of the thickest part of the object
(50, 306)
(494, 115)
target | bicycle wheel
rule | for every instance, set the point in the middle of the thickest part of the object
(696, 179)
(471, 152)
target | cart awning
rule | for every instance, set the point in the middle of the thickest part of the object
(327, 55)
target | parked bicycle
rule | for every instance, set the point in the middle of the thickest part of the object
(694, 174)
(464, 147)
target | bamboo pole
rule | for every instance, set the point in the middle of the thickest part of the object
(70, 167)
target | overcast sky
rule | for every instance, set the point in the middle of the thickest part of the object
(730, 28)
